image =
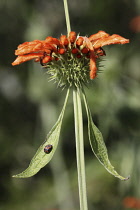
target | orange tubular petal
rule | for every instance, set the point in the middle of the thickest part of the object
(28, 48)
(93, 68)
(100, 34)
(23, 58)
(61, 51)
(36, 47)
(46, 59)
(52, 40)
(79, 41)
(48, 38)
(23, 47)
(55, 41)
(28, 43)
(114, 39)
(72, 36)
(88, 44)
(47, 51)
(48, 46)
(64, 40)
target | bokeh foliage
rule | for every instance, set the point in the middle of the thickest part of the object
(29, 106)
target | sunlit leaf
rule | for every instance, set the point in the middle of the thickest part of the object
(98, 145)
(41, 158)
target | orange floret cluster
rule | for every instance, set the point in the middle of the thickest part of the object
(52, 49)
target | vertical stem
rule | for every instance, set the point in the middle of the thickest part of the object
(80, 149)
(78, 133)
(67, 16)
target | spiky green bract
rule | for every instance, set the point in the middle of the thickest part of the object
(70, 71)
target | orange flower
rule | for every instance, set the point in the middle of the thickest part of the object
(131, 202)
(51, 49)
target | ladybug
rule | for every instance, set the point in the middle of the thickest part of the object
(48, 148)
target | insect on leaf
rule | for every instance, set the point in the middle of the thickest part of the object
(41, 158)
(98, 145)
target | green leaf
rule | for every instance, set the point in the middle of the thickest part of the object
(41, 158)
(98, 145)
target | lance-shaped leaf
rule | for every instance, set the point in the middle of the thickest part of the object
(41, 158)
(98, 145)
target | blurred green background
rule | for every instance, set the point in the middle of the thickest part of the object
(29, 106)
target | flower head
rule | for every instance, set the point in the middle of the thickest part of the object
(71, 60)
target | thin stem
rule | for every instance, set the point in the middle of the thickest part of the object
(78, 133)
(67, 16)
(80, 149)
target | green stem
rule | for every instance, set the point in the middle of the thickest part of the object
(80, 149)
(67, 16)
(78, 133)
